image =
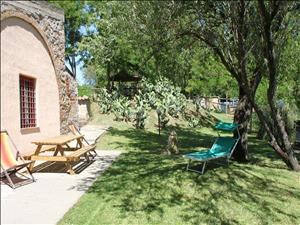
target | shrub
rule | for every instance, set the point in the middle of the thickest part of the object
(104, 100)
(121, 109)
(161, 96)
(140, 112)
(85, 90)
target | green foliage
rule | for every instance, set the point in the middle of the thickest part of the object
(85, 90)
(104, 100)
(288, 91)
(161, 96)
(290, 113)
(121, 108)
(162, 114)
(193, 122)
(140, 111)
(209, 77)
(165, 98)
(144, 187)
(94, 76)
(75, 17)
(164, 40)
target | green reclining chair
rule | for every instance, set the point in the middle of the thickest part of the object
(223, 147)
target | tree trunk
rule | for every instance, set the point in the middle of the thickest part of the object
(281, 139)
(261, 134)
(74, 65)
(109, 82)
(242, 116)
(286, 154)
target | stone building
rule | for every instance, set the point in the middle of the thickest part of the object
(38, 96)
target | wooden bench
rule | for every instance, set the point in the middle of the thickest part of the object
(44, 149)
(74, 156)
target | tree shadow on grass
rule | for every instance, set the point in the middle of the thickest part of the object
(188, 139)
(143, 183)
(262, 154)
(149, 183)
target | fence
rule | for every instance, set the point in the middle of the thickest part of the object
(225, 105)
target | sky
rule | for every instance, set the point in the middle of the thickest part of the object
(79, 75)
(79, 69)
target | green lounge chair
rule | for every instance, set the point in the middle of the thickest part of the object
(227, 127)
(223, 147)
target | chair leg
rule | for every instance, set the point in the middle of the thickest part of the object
(30, 173)
(187, 165)
(194, 170)
(9, 180)
(87, 157)
(95, 153)
(203, 168)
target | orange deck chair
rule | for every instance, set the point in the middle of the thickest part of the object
(76, 131)
(12, 162)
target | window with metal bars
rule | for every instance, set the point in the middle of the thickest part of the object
(27, 102)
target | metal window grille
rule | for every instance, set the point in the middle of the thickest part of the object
(27, 102)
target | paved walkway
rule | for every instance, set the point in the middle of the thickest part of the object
(92, 132)
(54, 193)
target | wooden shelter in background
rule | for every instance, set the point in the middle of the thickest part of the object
(127, 83)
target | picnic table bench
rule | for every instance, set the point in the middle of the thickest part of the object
(59, 144)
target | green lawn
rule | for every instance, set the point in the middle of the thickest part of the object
(144, 187)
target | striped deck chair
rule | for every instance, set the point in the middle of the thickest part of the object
(75, 130)
(12, 162)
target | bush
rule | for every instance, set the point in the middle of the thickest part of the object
(161, 96)
(121, 109)
(85, 90)
(164, 97)
(104, 100)
(140, 112)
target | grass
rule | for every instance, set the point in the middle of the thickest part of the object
(145, 187)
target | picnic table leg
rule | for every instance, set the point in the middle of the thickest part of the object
(36, 153)
(67, 164)
(79, 142)
(57, 150)
(70, 169)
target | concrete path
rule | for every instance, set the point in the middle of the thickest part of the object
(55, 191)
(92, 132)
(52, 195)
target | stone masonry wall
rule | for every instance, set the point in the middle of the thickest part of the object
(49, 21)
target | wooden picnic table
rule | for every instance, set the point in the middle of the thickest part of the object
(59, 144)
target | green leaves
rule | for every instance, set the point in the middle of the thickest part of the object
(141, 111)
(121, 109)
(75, 18)
(161, 96)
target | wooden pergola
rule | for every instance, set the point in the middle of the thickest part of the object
(124, 77)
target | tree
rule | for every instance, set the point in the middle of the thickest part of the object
(209, 76)
(272, 17)
(104, 48)
(243, 43)
(140, 45)
(75, 18)
(225, 27)
(247, 37)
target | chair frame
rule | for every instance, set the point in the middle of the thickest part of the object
(73, 124)
(15, 169)
(204, 162)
